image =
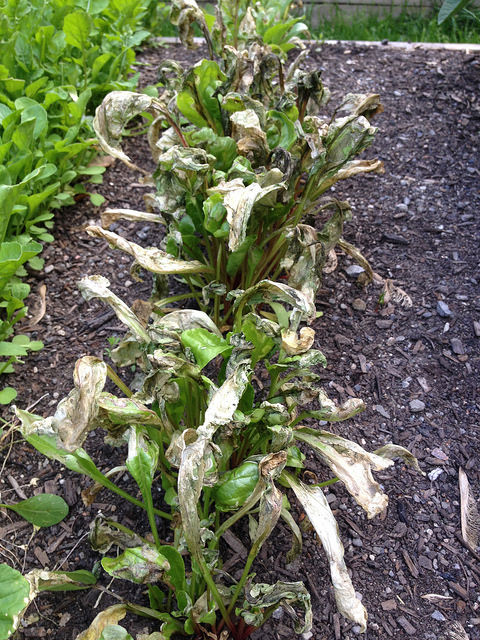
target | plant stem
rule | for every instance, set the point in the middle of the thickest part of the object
(241, 583)
(121, 385)
(108, 484)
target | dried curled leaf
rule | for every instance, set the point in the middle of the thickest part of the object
(320, 515)
(470, 518)
(109, 616)
(250, 138)
(293, 344)
(109, 216)
(183, 14)
(97, 287)
(304, 260)
(151, 259)
(263, 597)
(352, 251)
(267, 291)
(361, 104)
(352, 465)
(353, 168)
(76, 415)
(239, 202)
(111, 117)
(391, 293)
(220, 411)
(185, 319)
(393, 451)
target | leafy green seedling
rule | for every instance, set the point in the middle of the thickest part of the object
(43, 510)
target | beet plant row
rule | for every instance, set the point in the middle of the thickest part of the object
(226, 394)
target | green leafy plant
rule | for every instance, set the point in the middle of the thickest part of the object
(212, 443)
(58, 60)
(242, 163)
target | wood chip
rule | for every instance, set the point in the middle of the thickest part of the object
(16, 487)
(336, 626)
(407, 627)
(235, 543)
(363, 362)
(389, 605)
(410, 564)
(459, 590)
(41, 556)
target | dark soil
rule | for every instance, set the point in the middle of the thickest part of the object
(418, 225)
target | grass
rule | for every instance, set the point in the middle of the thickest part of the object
(405, 27)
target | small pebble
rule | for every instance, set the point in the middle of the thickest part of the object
(476, 328)
(278, 613)
(443, 309)
(381, 410)
(359, 305)
(354, 270)
(457, 346)
(417, 406)
(49, 268)
(437, 615)
(357, 542)
(434, 473)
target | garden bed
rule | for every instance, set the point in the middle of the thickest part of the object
(417, 369)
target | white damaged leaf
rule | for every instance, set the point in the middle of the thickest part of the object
(361, 104)
(294, 344)
(352, 465)
(250, 138)
(262, 597)
(393, 451)
(267, 291)
(97, 287)
(109, 616)
(195, 457)
(109, 216)
(151, 259)
(320, 515)
(185, 319)
(304, 260)
(76, 415)
(142, 565)
(111, 117)
(239, 202)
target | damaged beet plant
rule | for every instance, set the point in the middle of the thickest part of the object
(205, 441)
(244, 156)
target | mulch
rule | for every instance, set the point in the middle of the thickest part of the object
(417, 369)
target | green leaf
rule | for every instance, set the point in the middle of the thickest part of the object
(236, 486)
(176, 574)
(97, 199)
(262, 343)
(142, 460)
(115, 632)
(205, 345)
(76, 27)
(7, 395)
(43, 510)
(14, 598)
(449, 8)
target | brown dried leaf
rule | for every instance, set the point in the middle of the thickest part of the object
(38, 309)
(470, 518)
